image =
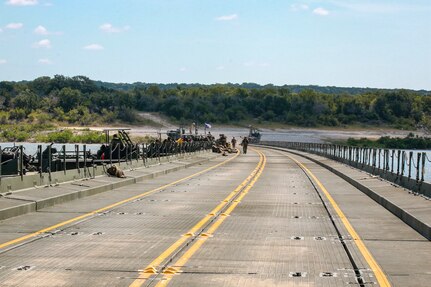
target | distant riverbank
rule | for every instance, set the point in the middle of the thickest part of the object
(142, 133)
(292, 134)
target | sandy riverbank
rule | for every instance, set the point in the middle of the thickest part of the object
(276, 132)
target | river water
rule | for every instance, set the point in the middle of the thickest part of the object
(31, 148)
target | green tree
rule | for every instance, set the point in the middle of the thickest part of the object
(69, 99)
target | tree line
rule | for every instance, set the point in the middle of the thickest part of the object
(79, 100)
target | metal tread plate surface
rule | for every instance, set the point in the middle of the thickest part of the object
(279, 235)
(111, 247)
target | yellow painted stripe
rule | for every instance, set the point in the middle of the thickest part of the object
(380, 275)
(144, 275)
(103, 209)
(182, 261)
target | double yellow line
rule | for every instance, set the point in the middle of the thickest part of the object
(380, 275)
(103, 209)
(230, 203)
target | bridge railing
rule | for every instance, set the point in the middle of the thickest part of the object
(411, 169)
(76, 161)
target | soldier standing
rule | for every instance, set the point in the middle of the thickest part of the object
(233, 141)
(244, 144)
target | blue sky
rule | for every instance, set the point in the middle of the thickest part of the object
(361, 43)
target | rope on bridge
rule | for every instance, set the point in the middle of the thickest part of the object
(414, 165)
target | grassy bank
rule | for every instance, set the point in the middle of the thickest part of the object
(409, 142)
(71, 136)
(21, 132)
(24, 132)
(48, 133)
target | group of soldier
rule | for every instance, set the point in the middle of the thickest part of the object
(221, 145)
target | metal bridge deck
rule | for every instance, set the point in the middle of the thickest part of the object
(273, 229)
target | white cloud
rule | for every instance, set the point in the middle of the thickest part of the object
(299, 7)
(220, 68)
(109, 28)
(14, 26)
(1, 30)
(41, 30)
(93, 47)
(45, 43)
(22, 2)
(183, 69)
(321, 11)
(2, 61)
(227, 17)
(44, 61)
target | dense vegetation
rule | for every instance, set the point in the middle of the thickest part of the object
(22, 132)
(35, 132)
(79, 100)
(292, 88)
(409, 142)
(69, 136)
(50, 133)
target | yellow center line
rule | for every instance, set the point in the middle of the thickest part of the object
(151, 269)
(380, 275)
(182, 261)
(78, 218)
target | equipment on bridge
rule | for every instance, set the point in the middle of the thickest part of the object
(119, 146)
(221, 145)
(115, 171)
(254, 135)
(10, 158)
(176, 134)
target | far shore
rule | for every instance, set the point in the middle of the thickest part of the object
(295, 134)
(269, 131)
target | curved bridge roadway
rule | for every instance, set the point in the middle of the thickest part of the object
(268, 218)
